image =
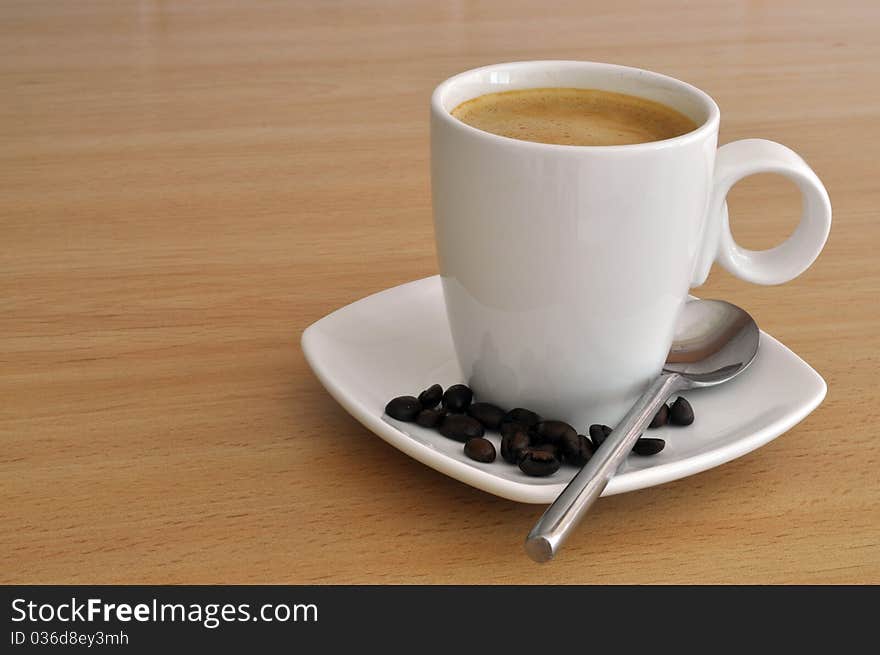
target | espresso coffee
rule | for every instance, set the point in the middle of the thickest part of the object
(575, 117)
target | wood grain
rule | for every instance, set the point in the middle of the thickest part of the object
(187, 186)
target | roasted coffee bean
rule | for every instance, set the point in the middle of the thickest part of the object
(487, 414)
(511, 428)
(589, 442)
(661, 418)
(648, 446)
(598, 432)
(457, 398)
(403, 408)
(551, 448)
(431, 396)
(570, 446)
(558, 433)
(537, 462)
(583, 454)
(513, 443)
(681, 412)
(480, 449)
(552, 432)
(461, 427)
(520, 415)
(430, 418)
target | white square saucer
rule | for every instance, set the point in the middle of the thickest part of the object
(397, 342)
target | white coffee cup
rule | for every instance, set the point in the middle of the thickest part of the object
(564, 267)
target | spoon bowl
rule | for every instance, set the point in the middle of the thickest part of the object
(714, 341)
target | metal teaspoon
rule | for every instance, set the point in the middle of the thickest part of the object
(714, 342)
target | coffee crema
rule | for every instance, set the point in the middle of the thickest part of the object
(576, 117)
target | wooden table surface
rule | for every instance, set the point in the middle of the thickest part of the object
(187, 186)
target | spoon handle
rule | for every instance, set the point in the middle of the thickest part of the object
(566, 511)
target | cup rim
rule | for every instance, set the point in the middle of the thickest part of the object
(710, 124)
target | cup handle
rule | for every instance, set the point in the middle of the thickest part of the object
(737, 160)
